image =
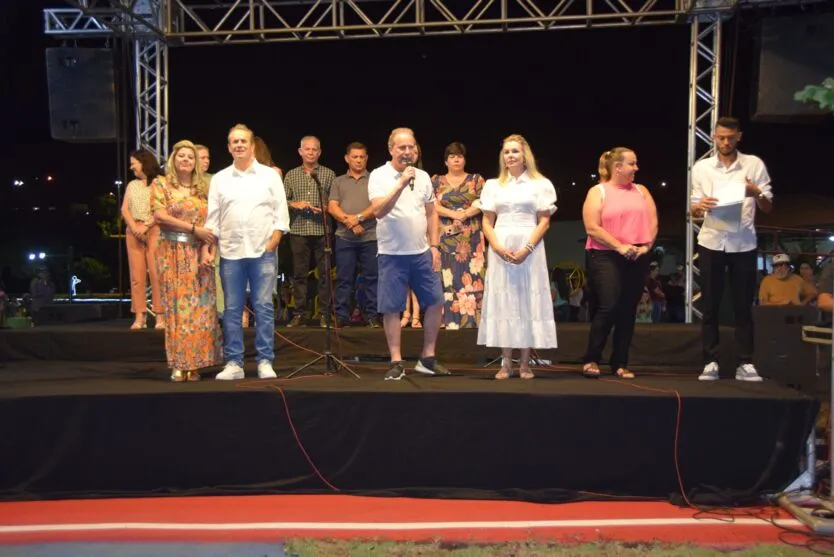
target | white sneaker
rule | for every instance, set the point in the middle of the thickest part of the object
(710, 372)
(231, 372)
(265, 370)
(746, 372)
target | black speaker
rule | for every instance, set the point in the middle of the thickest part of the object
(779, 352)
(82, 95)
(794, 52)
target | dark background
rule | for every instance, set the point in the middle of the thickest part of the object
(573, 94)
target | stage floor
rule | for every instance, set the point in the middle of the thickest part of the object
(102, 429)
(675, 347)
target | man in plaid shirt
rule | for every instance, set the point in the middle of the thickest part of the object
(307, 225)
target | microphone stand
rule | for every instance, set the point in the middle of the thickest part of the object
(332, 364)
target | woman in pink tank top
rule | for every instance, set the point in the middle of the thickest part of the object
(621, 221)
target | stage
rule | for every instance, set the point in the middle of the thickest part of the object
(87, 410)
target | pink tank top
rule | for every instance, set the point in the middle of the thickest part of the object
(625, 215)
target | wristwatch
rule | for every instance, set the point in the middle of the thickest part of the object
(360, 217)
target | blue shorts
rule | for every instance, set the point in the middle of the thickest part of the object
(399, 272)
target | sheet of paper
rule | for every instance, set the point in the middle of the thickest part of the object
(729, 192)
(725, 219)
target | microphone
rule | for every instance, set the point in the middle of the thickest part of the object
(315, 177)
(410, 180)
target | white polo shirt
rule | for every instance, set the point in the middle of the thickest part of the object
(708, 172)
(403, 231)
(245, 208)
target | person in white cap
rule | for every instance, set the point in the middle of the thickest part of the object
(784, 287)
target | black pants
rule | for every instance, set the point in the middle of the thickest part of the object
(617, 285)
(742, 277)
(302, 247)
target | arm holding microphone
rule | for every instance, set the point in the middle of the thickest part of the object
(383, 205)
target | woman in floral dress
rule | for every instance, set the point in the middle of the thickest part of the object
(461, 241)
(179, 203)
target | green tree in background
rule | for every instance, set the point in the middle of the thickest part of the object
(823, 94)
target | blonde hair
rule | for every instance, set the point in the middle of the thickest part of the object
(198, 180)
(608, 159)
(397, 131)
(243, 128)
(201, 147)
(529, 159)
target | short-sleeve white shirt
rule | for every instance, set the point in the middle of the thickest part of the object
(403, 231)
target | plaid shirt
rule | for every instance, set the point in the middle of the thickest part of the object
(301, 187)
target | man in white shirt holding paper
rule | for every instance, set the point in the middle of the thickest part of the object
(727, 241)
(247, 211)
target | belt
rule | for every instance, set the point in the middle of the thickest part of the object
(185, 237)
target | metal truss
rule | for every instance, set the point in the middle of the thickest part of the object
(259, 21)
(704, 82)
(151, 94)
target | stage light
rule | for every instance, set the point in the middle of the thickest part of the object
(49, 178)
(31, 257)
(117, 182)
(662, 184)
(41, 255)
(573, 183)
(593, 176)
(17, 183)
(831, 238)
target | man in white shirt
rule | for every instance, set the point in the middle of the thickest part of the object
(247, 211)
(727, 242)
(402, 198)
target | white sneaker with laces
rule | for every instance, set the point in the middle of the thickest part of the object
(231, 372)
(710, 372)
(265, 370)
(746, 372)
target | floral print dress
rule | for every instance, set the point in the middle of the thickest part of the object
(461, 252)
(192, 336)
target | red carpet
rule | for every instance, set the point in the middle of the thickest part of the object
(276, 518)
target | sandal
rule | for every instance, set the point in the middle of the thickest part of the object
(192, 375)
(526, 373)
(591, 370)
(623, 373)
(404, 321)
(504, 373)
(177, 376)
(415, 323)
(160, 322)
(139, 323)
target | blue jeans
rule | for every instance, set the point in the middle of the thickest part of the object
(259, 272)
(347, 255)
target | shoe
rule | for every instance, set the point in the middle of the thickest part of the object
(429, 366)
(746, 372)
(295, 321)
(139, 323)
(265, 370)
(232, 372)
(374, 323)
(193, 375)
(395, 372)
(160, 322)
(710, 372)
(177, 376)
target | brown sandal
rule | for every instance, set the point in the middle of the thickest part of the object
(623, 373)
(591, 370)
(504, 373)
(192, 375)
(526, 374)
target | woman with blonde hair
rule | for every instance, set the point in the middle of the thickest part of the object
(141, 237)
(621, 221)
(179, 202)
(517, 310)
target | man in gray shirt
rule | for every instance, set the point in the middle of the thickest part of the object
(355, 237)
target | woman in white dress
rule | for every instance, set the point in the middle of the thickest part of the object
(517, 310)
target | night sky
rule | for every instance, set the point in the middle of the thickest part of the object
(573, 94)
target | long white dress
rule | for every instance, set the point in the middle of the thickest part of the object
(517, 310)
